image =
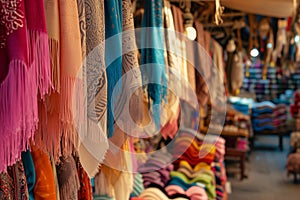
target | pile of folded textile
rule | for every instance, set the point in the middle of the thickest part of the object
(267, 116)
(197, 172)
(295, 108)
(156, 171)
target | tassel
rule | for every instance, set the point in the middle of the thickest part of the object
(219, 12)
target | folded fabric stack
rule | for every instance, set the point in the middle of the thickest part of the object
(268, 116)
(198, 165)
(265, 88)
(157, 169)
(218, 168)
(295, 108)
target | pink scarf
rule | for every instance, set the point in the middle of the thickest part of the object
(24, 72)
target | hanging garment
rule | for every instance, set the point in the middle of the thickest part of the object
(13, 185)
(57, 130)
(152, 56)
(93, 125)
(85, 190)
(44, 187)
(128, 112)
(113, 53)
(24, 73)
(181, 48)
(201, 63)
(29, 172)
(68, 179)
(116, 176)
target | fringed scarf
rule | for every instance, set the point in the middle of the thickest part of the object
(24, 72)
(154, 71)
(85, 190)
(68, 179)
(132, 84)
(57, 132)
(113, 26)
(93, 137)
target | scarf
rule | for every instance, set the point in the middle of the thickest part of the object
(29, 172)
(13, 185)
(93, 87)
(44, 187)
(154, 71)
(57, 134)
(113, 26)
(68, 179)
(131, 104)
(24, 72)
(85, 190)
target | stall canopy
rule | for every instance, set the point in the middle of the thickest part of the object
(272, 8)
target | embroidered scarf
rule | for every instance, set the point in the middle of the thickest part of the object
(24, 72)
(93, 143)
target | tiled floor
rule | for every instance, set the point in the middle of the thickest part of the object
(267, 179)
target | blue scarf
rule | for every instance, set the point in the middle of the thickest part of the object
(113, 26)
(154, 71)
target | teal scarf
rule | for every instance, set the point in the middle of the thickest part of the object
(154, 71)
(113, 26)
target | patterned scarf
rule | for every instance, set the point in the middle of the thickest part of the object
(13, 184)
(93, 143)
(24, 72)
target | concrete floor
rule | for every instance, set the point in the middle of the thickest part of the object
(267, 179)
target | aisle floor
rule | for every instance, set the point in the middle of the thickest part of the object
(267, 178)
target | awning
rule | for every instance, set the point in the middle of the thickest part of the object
(272, 8)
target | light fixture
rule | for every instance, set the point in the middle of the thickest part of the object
(254, 52)
(297, 38)
(269, 45)
(190, 31)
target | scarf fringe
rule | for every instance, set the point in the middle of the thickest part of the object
(70, 186)
(68, 129)
(39, 57)
(55, 63)
(57, 134)
(17, 127)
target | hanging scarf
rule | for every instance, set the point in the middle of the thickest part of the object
(44, 187)
(113, 26)
(68, 179)
(154, 72)
(93, 143)
(172, 106)
(57, 132)
(201, 65)
(13, 185)
(85, 190)
(131, 80)
(29, 172)
(24, 72)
